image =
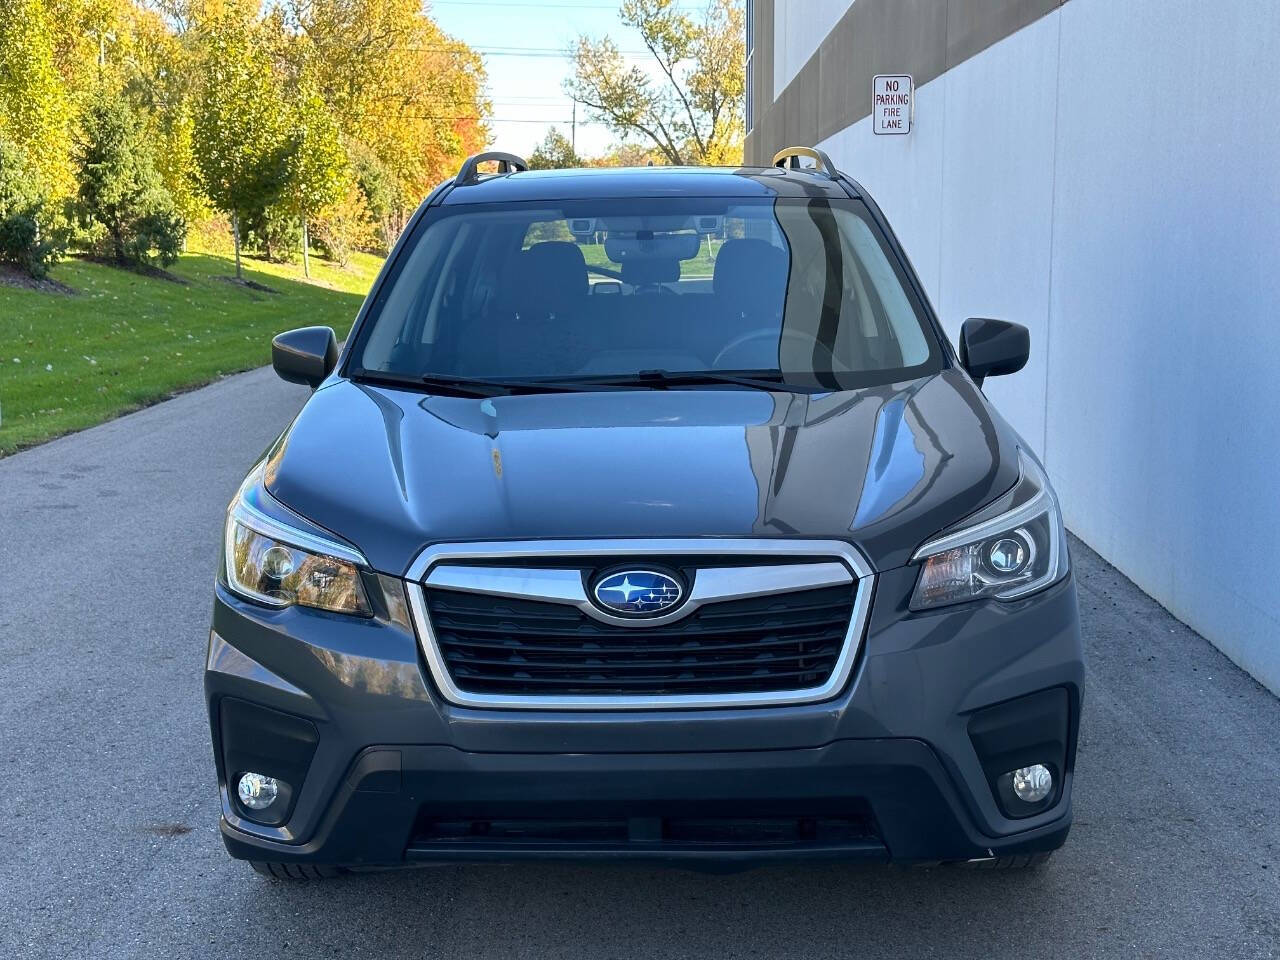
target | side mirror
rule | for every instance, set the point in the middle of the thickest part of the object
(306, 355)
(992, 348)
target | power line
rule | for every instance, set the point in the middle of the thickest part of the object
(534, 7)
(541, 52)
(499, 102)
(421, 116)
(504, 51)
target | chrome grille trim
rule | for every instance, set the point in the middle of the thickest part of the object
(855, 570)
(711, 585)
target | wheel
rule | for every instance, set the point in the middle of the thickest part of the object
(1020, 861)
(295, 871)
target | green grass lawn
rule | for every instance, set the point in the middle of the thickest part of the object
(126, 340)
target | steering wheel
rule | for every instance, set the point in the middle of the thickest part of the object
(804, 341)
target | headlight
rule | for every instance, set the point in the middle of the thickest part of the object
(272, 563)
(1013, 548)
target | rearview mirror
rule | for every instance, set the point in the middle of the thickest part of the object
(647, 245)
(306, 355)
(992, 348)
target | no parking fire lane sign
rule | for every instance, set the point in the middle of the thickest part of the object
(893, 103)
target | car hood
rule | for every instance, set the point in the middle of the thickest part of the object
(885, 467)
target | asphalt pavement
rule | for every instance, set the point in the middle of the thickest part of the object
(108, 810)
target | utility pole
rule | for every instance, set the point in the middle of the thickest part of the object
(103, 36)
(573, 130)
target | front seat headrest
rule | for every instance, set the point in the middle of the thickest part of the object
(552, 277)
(750, 274)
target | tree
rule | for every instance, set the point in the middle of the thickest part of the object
(400, 88)
(378, 188)
(629, 155)
(241, 124)
(555, 152)
(345, 225)
(26, 239)
(158, 70)
(120, 190)
(317, 170)
(34, 103)
(694, 112)
(91, 40)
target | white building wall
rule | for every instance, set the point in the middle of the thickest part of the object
(1110, 176)
(799, 27)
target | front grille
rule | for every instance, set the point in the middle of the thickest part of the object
(500, 645)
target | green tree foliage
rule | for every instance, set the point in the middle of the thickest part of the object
(34, 101)
(317, 173)
(629, 155)
(346, 225)
(271, 232)
(241, 124)
(555, 152)
(120, 190)
(174, 131)
(694, 114)
(408, 93)
(92, 43)
(378, 188)
(158, 70)
(26, 239)
(285, 115)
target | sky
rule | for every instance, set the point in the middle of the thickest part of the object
(523, 44)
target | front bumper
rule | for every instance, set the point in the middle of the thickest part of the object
(890, 769)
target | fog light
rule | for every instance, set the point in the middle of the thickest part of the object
(257, 791)
(1032, 784)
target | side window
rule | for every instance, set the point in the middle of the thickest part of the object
(895, 309)
(843, 291)
(411, 295)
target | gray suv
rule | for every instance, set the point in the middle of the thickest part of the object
(646, 514)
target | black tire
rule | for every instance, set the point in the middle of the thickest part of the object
(295, 871)
(1021, 861)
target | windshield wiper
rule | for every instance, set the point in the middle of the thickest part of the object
(650, 379)
(475, 386)
(659, 379)
(503, 386)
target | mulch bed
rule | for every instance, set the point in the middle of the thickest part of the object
(143, 270)
(12, 277)
(251, 284)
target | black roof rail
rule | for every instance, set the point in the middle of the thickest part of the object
(789, 159)
(507, 163)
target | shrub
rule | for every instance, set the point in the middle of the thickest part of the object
(273, 232)
(345, 226)
(161, 231)
(120, 190)
(378, 192)
(29, 237)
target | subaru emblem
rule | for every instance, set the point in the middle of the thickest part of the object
(638, 593)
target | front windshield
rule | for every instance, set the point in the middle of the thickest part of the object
(805, 290)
